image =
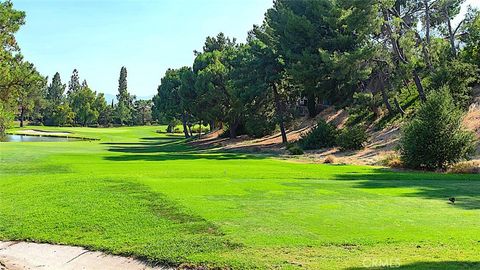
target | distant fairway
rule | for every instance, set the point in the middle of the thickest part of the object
(137, 192)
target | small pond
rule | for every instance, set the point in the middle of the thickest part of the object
(26, 138)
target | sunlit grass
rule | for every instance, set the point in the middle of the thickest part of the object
(137, 192)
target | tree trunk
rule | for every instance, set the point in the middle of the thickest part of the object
(233, 129)
(279, 110)
(385, 100)
(184, 123)
(384, 95)
(450, 33)
(419, 85)
(311, 105)
(190, 130)
(22, 115)
(398, 52)
(200, 129)
(399, 108)
(212, 125)
(427, 22)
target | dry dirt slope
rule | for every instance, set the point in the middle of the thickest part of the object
(381, 142)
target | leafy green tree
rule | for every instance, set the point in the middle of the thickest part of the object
(62, 115)
(57, 111)
(211, 88)
(471, 37)
(435, 138)
(443, 14)
(11, 62)
(316, 39)
(83, 102)
(105, 112)
(30, 91)
(167, 101)
(143, 112)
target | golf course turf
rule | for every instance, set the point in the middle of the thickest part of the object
(150, 195)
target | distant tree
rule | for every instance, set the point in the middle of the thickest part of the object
(30, 92)
(56, 90)
(83, 102)
(57, 110)
(124, 108)
(74, 83)
(105, 112)
(143, 112)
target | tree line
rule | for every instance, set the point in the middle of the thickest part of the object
(80, 105)
(371, 53)
(26, 94)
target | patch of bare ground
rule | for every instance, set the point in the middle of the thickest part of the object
(31, 256)
(472, 119)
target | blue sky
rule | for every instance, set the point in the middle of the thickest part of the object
(146, 36)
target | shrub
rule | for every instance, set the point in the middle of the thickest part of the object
(352, 138)
(295, 150)
(196, 129)
(392, 161)
(465, 168)
(322, 135)
(435, 137)
(330, 159)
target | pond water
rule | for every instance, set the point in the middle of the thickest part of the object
(26, 138)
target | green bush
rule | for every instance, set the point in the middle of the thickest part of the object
(322, 135)
(196, 129)
(295, 150)
(352, 138)
(435, 137)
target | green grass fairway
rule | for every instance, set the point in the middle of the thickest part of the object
(137, 192)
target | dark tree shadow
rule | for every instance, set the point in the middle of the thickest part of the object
(427, 266)
(464, 188)
(168, 148)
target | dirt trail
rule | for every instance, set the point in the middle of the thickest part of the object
(32, 256)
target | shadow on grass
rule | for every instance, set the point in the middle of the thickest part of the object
(428, 265)
(465, 188)
(168, 149)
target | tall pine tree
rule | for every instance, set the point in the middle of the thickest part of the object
(74, 84)
(123, 111)
(55, 90)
